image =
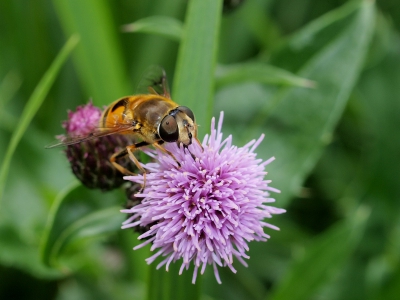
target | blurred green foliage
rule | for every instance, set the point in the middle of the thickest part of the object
(319, 78)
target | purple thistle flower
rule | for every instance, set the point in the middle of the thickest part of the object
(89, 160)
(209, 208)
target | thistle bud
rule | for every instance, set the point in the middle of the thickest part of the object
(89, 159)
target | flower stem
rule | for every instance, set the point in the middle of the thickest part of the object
(170, 285)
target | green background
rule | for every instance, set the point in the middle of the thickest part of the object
(321, 80)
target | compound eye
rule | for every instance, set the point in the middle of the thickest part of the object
(168, 129)
(187, 111)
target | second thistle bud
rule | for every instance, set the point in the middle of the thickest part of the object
(89, 159)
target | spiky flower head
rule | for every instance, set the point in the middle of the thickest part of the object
(82, 121)
(207, 209)
(89, 160)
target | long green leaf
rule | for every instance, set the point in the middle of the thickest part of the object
(98, 59)
(32, 106)
(76, 216)
(380, 106)
(258, 72)
(160, 25)
(92, 225)
(49, 233)
(303, 45)
(325, 256)
(302, 121)
(194, 74)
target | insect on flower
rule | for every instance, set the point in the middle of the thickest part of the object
(151, 119)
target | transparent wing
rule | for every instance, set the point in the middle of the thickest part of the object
(96, 133)
(154, 81)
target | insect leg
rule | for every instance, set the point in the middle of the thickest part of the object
(137, 163)
(125, 152)
(191, 154)
(158, 146)
(198, 142)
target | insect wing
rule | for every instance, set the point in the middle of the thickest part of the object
(96, 133)
(154, 81)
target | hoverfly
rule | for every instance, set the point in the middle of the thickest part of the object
(151, 119)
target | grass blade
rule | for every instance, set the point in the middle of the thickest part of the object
(32, 106)
(259, 72)
(76, 217)
(159, 25)
(195, 70)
